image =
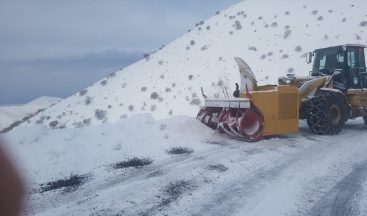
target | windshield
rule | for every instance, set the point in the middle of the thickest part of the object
(327, 60)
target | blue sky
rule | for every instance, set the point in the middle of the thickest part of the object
(56, 48)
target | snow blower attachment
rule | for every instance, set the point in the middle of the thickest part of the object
(335, 91)
(259, 111)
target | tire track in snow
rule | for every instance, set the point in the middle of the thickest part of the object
(227, 201)
(239, 194)
(342, 199)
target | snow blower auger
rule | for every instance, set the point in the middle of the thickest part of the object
(239, 121)
(335, 91)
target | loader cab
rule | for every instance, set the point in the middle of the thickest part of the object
(346, 62)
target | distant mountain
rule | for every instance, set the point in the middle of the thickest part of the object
(11, 114)
(271, 36)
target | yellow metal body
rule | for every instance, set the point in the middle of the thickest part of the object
(279, 106)
(357, 97)
(358, 100)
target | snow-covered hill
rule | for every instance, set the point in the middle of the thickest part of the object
(271, 36)
(11, 114)
(164, 164)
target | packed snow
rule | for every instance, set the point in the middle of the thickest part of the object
(130, 144)
(178, 166)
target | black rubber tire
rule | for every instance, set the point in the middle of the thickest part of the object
(327, 113)
(365, 120)
(303, 110)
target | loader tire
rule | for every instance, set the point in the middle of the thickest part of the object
(327, 113)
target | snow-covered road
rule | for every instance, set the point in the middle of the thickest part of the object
(299, 174)
(106, 155)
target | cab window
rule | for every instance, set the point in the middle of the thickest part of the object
(327, 60)
(362, 62)
(352, 58)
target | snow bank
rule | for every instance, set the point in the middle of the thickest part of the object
(46, 154)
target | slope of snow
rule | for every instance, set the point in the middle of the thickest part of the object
(10, 114)
(271, 36)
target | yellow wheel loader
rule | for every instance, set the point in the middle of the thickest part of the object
(334, 91)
